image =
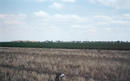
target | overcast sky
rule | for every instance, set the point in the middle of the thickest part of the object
(65, 20)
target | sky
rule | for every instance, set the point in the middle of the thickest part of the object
(65, 20)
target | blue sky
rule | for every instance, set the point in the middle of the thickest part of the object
(66, 20)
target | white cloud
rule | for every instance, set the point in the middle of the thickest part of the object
(126, 16)
(2, 16)
(14, 22)
(113, 21)
(117, 4)
(41, 14)
(54, 26)
(40, 0)
(71, 1)
(62, 16)
(56, 5)
(13, 18)
(92, 1)
(98, 21)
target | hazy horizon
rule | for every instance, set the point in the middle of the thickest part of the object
(65, 20)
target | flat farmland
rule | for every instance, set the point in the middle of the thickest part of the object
(42, 64)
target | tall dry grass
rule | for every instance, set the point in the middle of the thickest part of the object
(37, 64)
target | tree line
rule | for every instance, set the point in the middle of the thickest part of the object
(108, 45)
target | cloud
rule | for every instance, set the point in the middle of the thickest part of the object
(70, 1)
(56, 5)
(65, 26)
(13, 18)
(113, 21)
(41, 14)
(117, 4)
(67, 16)
(76, 21)
(40, 0)
(2, 16)
(57, 19)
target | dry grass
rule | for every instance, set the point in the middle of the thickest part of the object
(38, 64)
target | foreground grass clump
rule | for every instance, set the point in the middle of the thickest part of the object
(38, 64)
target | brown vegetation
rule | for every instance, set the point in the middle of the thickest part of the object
(38, 64)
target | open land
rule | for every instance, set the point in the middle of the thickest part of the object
(42, 64)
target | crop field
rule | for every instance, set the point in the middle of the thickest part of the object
(42, 64)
